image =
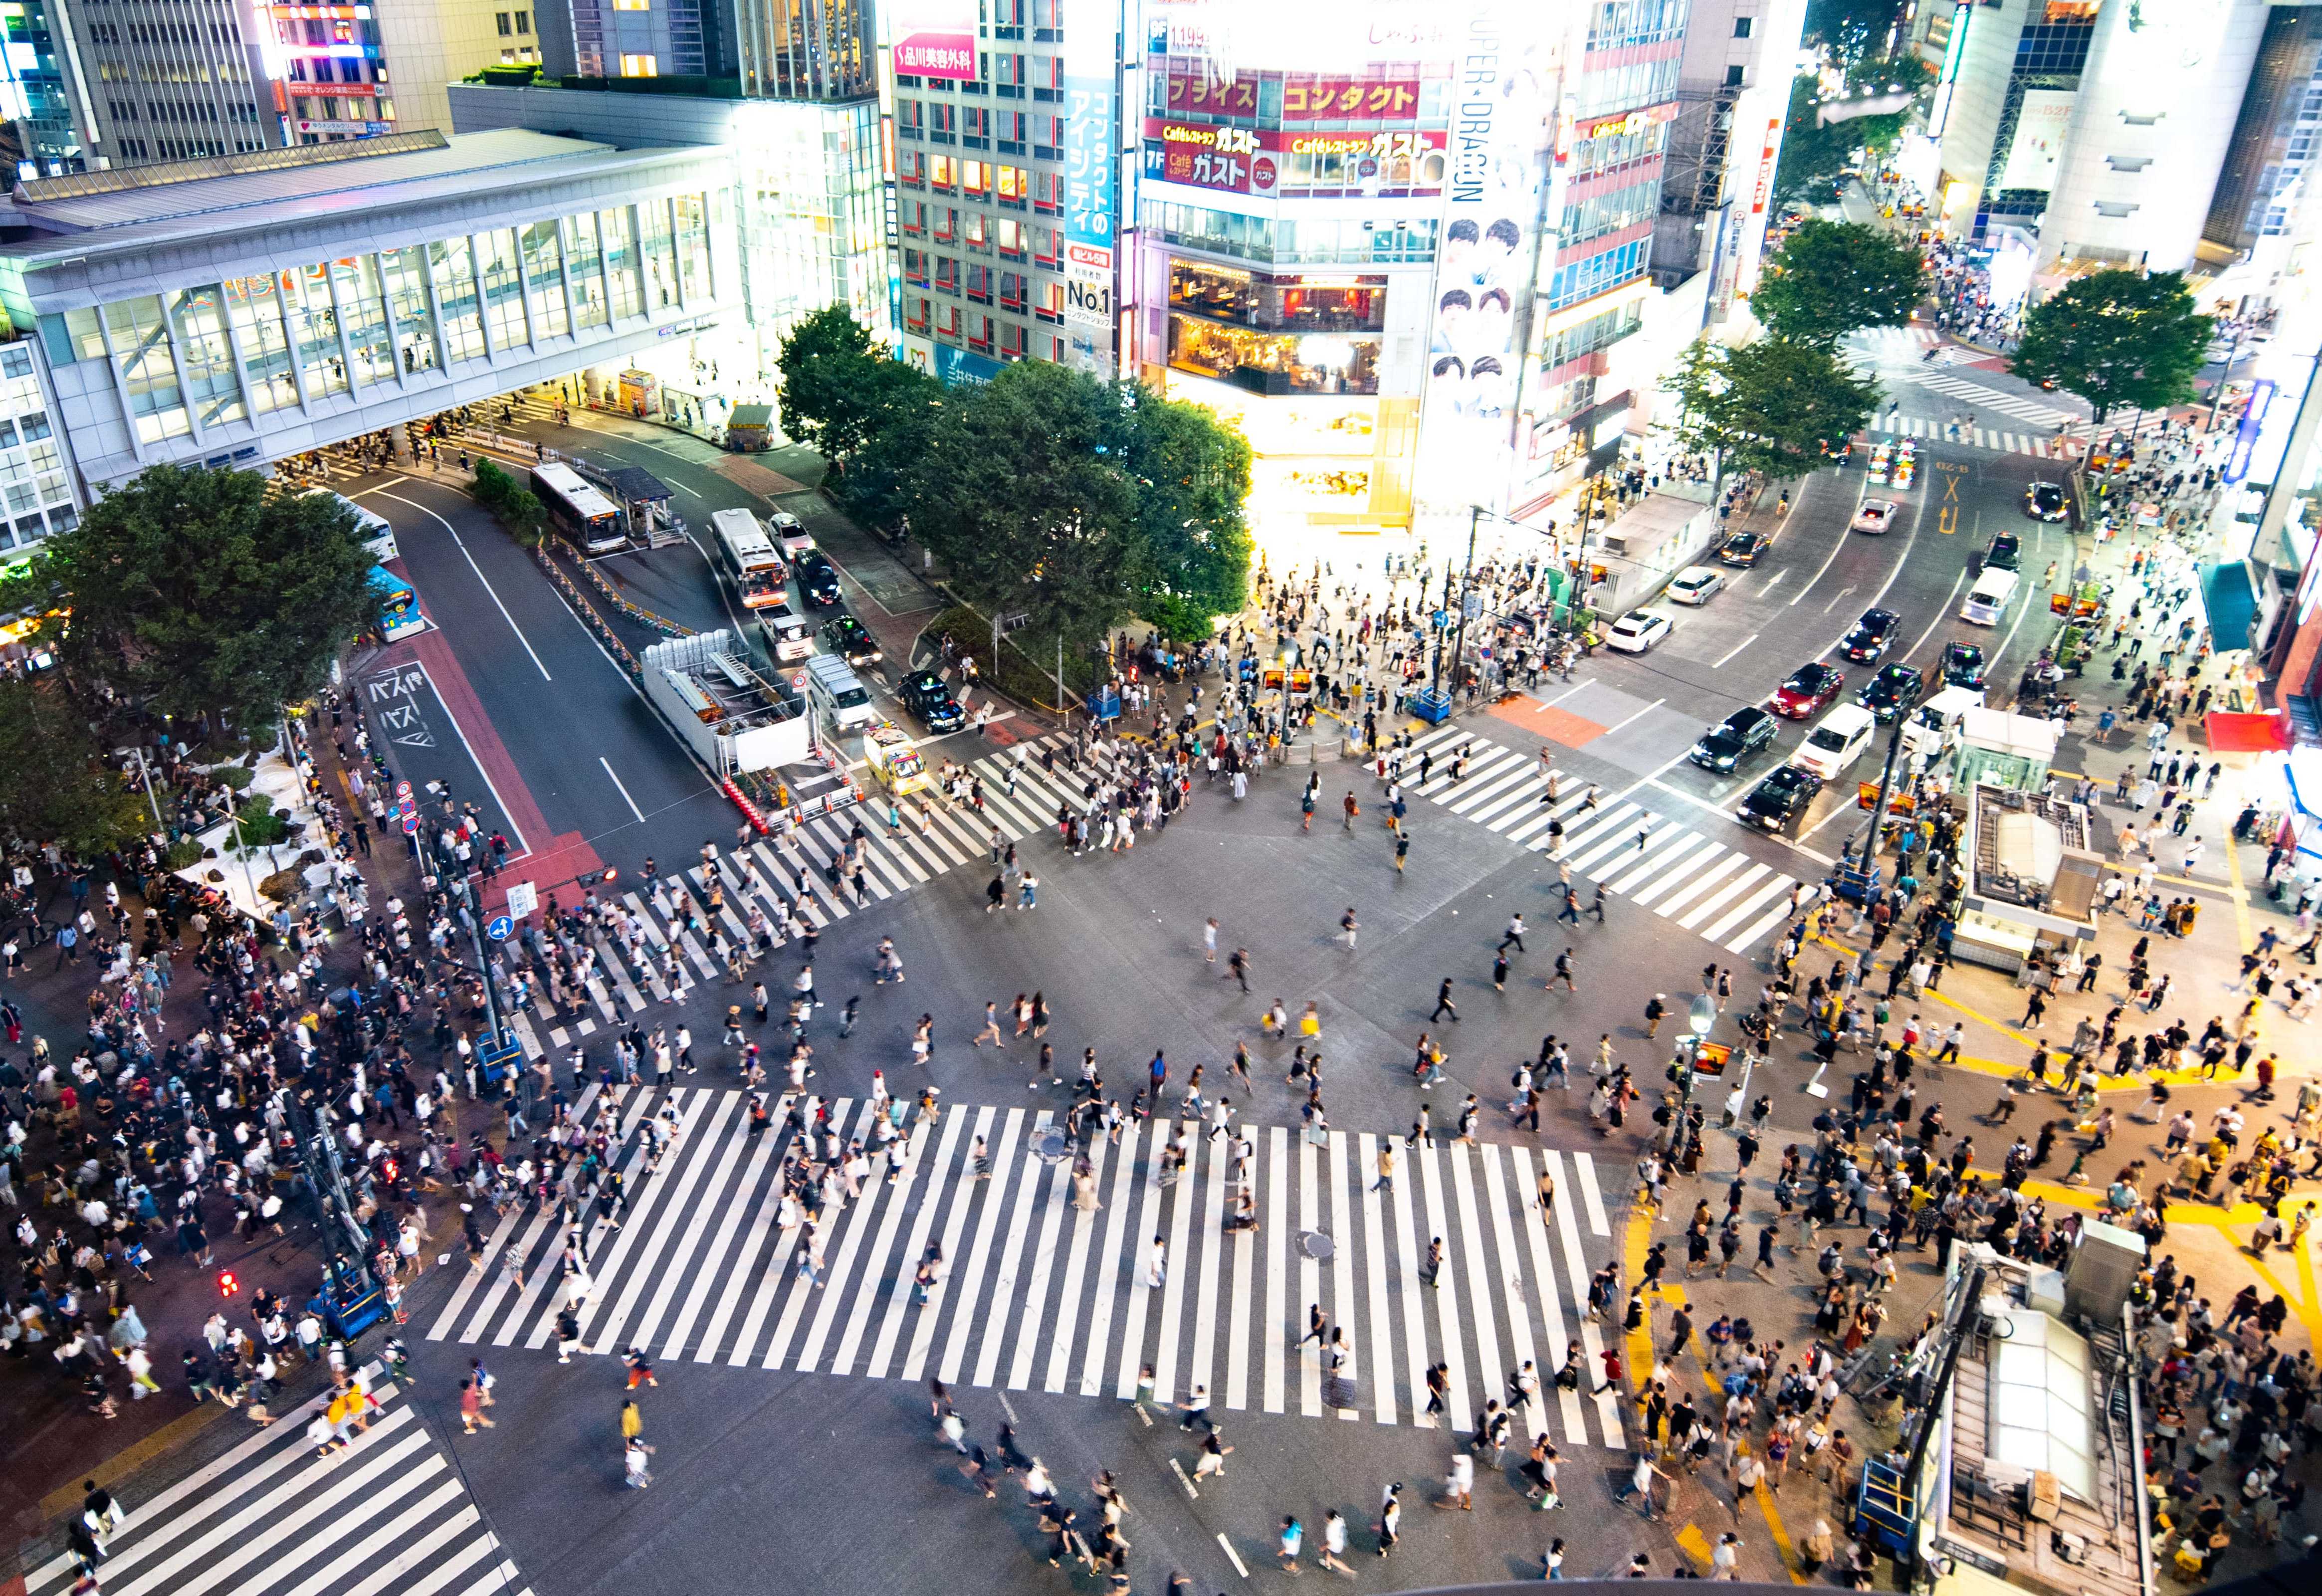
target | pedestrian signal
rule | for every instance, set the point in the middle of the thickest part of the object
(227, 1284)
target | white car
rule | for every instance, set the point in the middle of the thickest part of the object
(1637, 632)
(1696, 584)
(1837, 743)
(1877, 514)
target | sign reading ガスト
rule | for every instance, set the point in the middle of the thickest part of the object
(1253, 160)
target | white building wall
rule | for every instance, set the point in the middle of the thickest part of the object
(1978, 93)
(2156, 109)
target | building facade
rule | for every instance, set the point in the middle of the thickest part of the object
(189, 80)
(185, 315)
(2271, 156)
(37, 73)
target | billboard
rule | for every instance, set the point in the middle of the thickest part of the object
(2040, 127)
(1256, 161)
(933, 38)
(1092, 178)
(1194, 87)
(1348, 36)
(1503, 85)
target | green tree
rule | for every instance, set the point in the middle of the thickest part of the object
(2117, 338)
(1812, 155)
(1191, 474)
(53, 784)
(900, 406)
(201, 594)
(1774, 405)
(1021, 493)
(831, 392)
(1832, 277)
(1850, 28)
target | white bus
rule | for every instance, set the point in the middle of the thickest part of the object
(378, 536)
(580, 512)
(746, 554)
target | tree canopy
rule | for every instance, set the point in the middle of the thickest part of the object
(1079, 504)
(1832, 277)
(1813, 155)
(1850, 29)
(1774, 405)
(198, 594)
(831, 394)
(2117, 338)
(53, 784)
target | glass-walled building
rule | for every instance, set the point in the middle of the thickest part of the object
(232, 320)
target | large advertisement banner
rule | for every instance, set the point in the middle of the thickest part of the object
(1257, 161)
(1092, 178)
(1504, 85)
(2041, 124)
(1195, 88)
(933, 38)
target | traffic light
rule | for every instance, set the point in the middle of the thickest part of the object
(227, 1284)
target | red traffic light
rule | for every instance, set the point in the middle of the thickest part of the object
(227, 1284)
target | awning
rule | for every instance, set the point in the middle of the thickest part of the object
(2230, 732)
(2230, 604)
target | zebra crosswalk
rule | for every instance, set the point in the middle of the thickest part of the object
(1040, 1293)
(1020, 795)
(1704, 886)
(1913, 426)
(389, 1516)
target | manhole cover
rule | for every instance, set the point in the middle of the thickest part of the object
(1051, 1145)
(1316, 1245)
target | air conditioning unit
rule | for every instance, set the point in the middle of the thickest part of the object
(1613, 543)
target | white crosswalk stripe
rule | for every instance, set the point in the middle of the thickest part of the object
(776, 875)
(1913, 426)
(1705, 886)
(388, 1516)
(1034, 1288)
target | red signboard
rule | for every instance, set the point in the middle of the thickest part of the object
(1245, 161)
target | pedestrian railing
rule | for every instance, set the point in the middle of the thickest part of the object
(589, 618)
(636, 612)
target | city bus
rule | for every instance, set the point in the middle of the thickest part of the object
(581, 513)
(398, 606)
(746, 555)
(378, 536)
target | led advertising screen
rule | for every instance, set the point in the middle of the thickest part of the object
(1092, 176)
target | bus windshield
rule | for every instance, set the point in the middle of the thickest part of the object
(578, 511)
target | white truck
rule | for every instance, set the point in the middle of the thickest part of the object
(1933, 728)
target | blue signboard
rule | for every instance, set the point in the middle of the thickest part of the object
(498, 927)
(956, 367)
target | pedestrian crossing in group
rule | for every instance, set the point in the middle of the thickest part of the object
(390, 1516)
(1037, 1293)
(1706, 886)
(1882, 425)
(1020, 796)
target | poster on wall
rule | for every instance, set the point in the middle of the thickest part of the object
(1091, 179)
(2040, 128)
(933, 38)
(1504, 74)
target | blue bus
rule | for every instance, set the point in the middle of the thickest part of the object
(398, 606)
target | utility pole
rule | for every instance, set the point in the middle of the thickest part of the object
(1475, 519)
(1878, 813)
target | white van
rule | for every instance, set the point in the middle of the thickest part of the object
(1935, 725)
(1985, 602)
(837, 695)
(1837, 743)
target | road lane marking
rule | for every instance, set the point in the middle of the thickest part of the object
(1941, 611)
(1639, 714)
(1737, 647)
(626, 798)
(1844, 533)
(478, 570)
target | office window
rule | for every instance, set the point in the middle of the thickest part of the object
(543, 276)
(658, 253)
(405, 272)
(632, 5)
(692, 212)
(523, 23)
(1734, 76)
(256, 311)
(503, 294)
(584, 266)
(619, 231)
(505, 24)
(314, 329)
(362, 310)
(1741, 27)
(640, 66)
(211, 387)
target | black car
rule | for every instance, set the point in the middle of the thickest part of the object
(1964, 666)
(1866, 644)
(1743, 548)
(1776, 803)
(1892, 691)
(1729, 742)
(924, 694)
(2006, 550)
(817, 578)
(848, 637)
(2044, 501)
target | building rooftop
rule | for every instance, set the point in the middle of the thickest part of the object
(106, 212)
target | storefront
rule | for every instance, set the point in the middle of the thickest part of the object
(1273, 334)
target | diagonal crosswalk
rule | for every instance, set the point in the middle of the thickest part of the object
(777, 876)
(1913, 426)
(389, 1516)
(1704, 886)
(1037, 1291)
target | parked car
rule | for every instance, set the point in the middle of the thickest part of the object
(1696, 585)
(1744, 549)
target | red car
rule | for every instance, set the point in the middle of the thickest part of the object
(1810, 690)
